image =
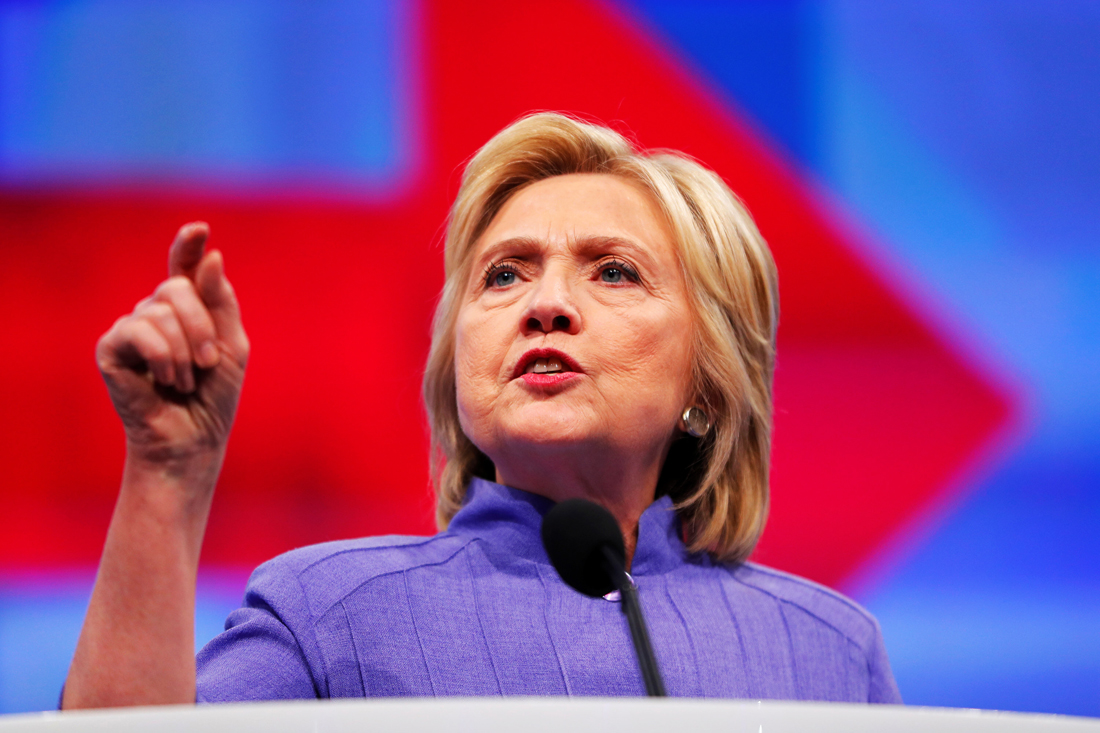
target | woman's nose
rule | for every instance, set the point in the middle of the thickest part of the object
(551, 308)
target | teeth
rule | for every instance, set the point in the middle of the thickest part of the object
(545, 366)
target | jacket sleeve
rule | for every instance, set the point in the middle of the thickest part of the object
(882, 688)
(260, 654)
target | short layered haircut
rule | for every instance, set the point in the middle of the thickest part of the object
(719, 482)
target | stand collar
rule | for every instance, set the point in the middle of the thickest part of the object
(511, 519)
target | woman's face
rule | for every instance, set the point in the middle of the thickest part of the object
(574, 330)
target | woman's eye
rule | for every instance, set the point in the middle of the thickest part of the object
(616, 272)
(500, 277)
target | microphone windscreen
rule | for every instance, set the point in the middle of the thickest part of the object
(573, 533)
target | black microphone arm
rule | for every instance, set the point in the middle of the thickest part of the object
(585, 545)
(639, 632)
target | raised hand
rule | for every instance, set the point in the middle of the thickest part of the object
(175, 365)
(174, 368)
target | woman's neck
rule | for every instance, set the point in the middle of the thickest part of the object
(623, 487)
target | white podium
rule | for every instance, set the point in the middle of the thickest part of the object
(580, 715)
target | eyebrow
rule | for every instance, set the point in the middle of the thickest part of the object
(525, 245)
(522, 245)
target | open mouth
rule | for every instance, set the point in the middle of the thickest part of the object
(545, 361)
(552, 365)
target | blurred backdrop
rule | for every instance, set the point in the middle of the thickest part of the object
(927, 173)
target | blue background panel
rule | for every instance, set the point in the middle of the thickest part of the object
(246, 91)
(40, 618)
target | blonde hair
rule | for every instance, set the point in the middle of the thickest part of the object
(719, 482)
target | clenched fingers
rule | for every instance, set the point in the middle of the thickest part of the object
(191, 320)
(184, 334)
(194, 317)
(164, 319)
(135, 342)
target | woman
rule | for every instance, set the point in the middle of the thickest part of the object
(607, 331)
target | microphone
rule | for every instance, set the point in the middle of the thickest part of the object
(586, 547)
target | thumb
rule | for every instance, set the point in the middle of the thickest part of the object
(187, 251)
(220, 299)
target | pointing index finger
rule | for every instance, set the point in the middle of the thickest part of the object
(187, 251)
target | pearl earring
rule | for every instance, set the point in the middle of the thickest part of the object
(695, 422)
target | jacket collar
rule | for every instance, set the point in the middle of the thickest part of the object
(511, 519)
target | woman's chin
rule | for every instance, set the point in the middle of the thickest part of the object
(550, 427)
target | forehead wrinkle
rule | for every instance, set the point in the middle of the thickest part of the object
(589, 244)
(511, 245)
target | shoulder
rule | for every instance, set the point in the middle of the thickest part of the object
(324, 574)
(825, 630)
(823, 605)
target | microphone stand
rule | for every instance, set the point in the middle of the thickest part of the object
(639, 634)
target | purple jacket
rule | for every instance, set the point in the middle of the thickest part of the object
(478, 610)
